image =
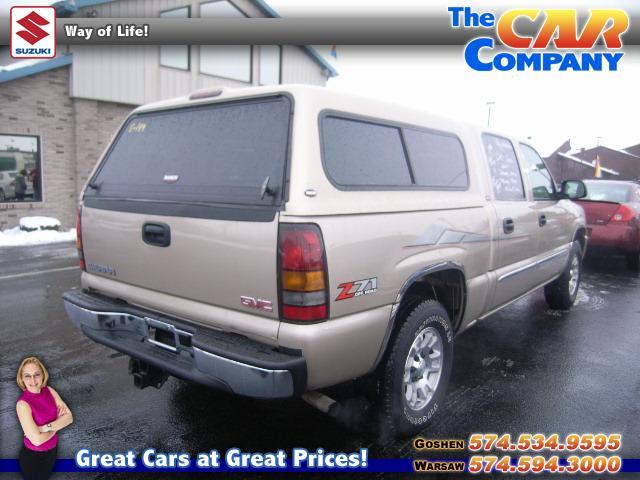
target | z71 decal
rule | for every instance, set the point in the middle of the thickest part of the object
(357, 288)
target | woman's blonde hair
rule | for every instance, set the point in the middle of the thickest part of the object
(38, 364)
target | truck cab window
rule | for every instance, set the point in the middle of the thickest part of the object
(506, 178)
(539, 175)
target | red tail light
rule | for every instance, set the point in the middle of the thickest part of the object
(79, 239)
(303, 273)
(624, 214)
(302, 250)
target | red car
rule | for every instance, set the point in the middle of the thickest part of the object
(613, 217)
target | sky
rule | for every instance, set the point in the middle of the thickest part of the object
(545, 107)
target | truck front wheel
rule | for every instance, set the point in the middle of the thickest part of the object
(415, 375)
(562, 292)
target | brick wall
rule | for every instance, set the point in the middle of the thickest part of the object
(73, 133)
(96, 124)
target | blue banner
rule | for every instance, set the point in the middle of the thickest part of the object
(383, 465)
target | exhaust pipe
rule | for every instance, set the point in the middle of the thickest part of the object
(352, 413)
(319, 400)
(145, 375)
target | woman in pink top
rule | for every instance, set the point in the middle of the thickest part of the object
(42, 413)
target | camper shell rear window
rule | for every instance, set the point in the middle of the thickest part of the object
(219, 154)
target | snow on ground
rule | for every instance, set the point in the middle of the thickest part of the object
(15, 237)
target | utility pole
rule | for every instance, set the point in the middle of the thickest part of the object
(489, 104)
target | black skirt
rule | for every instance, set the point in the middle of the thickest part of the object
(37, 465)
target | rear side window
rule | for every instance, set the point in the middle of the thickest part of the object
(359, 153)
(362, 154)
(503, 165)
(437, 159)
(221, 153)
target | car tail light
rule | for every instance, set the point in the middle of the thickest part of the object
(79, 239)
(303, 273)
(624, 214)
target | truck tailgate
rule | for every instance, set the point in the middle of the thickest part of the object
(210, 261)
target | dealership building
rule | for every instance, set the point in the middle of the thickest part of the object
(580, 164)
(61, 113)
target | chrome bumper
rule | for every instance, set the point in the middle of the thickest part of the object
(217, 359)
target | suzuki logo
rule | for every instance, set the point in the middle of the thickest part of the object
(33, 33)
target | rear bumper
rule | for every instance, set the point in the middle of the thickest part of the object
(217, 359)
(621, 237)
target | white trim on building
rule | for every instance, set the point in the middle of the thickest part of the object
(583, 162)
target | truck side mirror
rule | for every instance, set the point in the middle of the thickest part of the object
(573, 189)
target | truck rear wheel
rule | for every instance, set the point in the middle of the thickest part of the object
(415, 375)
(562, 292)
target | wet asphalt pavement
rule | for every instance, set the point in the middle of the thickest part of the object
(525, 369)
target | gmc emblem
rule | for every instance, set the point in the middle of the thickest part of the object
(257, 303)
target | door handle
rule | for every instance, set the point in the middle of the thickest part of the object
(156, 234)
(507, 225)
(542, 220)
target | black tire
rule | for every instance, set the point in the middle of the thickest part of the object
(400, 416)
(2, 197)
(561, 293)
(633, 261)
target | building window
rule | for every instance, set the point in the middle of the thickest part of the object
(270, 65)
(5, 56)
(20, 168)
(228, 61)
(175, 56)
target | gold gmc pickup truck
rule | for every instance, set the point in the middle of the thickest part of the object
(273, 241)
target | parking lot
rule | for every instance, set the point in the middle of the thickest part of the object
(525, 369)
